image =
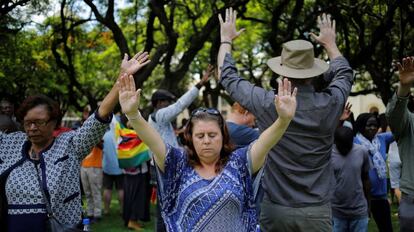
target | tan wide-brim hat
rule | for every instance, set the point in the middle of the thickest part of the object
(297, 61)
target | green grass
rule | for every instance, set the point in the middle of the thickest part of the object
(114, 222)
(372, 227)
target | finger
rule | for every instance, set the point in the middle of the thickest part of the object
(220, 19)
(289, 87)
(328, 20)
(125, 82)
(231, 14)
(405, 63)
(131, 83)
(313, 36)
(295, 91)
(400, 67)
(277, 100)
(125, 57)
(334, 25)
(227, 15)
(319, 21)
(240, 31)
(146, 62)
(234, 17)
(138, 94)
(142, 56)
(280, 87)
(122, 82)
(323, 19)
(286, 86)
(137, 55)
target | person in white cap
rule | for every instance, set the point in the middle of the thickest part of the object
(297, 173)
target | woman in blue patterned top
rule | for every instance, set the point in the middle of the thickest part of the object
(208, 186)
(34, 159)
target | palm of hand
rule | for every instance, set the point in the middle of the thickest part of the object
(130, 66)
(228, 29)
(128, 100)
(407, 74)
(345, 115)
(286, 106)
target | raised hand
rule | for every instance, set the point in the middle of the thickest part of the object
(346, 112)
(128, 97)
(285, 100)
(228, 29)
(406, 70)
(135, 63)
(327, 34)
(207, 74)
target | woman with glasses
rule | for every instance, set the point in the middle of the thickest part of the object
(208, 185)
(38, 169)
(366, 129)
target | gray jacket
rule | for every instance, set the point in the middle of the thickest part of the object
(297, 171)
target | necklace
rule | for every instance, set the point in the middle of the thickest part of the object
(33, 155)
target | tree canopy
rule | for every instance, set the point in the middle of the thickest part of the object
(73, 55)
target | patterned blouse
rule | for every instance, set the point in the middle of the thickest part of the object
(58, 168)
(192, 203)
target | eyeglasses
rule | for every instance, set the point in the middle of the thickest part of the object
(211, 111)
(37, 123)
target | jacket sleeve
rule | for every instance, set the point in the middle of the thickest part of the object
(88, 135)
(341, 76)
(398, 116)
(169, 113)
(253, 98)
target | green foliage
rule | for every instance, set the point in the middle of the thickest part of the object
(370, 34)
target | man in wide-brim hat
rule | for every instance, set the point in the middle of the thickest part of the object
(297, 173)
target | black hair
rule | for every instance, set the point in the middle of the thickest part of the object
(37, 100)
(362, 120)
(344, 139)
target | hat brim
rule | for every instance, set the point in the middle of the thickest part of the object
(319, 67)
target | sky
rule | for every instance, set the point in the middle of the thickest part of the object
(54, 7)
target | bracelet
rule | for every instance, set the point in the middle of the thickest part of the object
(134, 118)
(227, 42)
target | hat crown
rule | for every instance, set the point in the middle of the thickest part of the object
(297, 54)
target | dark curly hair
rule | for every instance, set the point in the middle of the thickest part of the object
(37, 100)
(227, 148)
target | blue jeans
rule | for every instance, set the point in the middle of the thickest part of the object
(350, 225)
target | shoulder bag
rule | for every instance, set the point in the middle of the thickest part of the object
(53, 224)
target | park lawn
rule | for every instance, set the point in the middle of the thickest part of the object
(114, 223)
(372, 227)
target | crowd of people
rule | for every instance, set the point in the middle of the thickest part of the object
(288, 159)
